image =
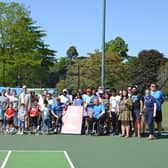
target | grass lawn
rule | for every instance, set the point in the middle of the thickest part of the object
(165, 115)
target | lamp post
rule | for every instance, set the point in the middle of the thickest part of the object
(103, 43)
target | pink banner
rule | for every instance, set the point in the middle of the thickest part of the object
(72, 120)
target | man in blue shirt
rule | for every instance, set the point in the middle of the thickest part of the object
(159, 97)
(96, 120)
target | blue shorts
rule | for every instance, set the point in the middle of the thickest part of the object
(21, 123)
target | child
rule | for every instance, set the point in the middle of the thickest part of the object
(57, 112)
(34, 113)
(46, 117)
(21, 119)
(9, 113)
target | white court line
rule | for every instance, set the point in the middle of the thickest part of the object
(40, 151)
(69, 160)
(6, 159)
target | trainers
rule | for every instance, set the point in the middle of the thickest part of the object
(127, 136)
(151, 137)
(93, 132)
(113, 134)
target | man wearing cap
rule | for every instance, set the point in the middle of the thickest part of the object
(64, 98)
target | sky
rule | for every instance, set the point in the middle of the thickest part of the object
(141, 23)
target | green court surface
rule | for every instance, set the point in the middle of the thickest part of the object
(2, 156)
(86, 151)
(34, 159)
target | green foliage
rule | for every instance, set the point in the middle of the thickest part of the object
(85, 72)
(117, 46)
(22, 46)
(25, 58)
(163, 77)
(145, 68)
(58, 72)
(116, 71)
(72, 52)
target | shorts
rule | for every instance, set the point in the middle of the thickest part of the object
(21, 123)
(34, 121)
(1, 119)
(10, 121)
(136, 115)
(158, 117)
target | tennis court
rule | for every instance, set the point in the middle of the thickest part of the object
(84, 151)
(35, 159)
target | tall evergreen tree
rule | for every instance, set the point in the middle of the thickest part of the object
(21, 43)
(72, 52)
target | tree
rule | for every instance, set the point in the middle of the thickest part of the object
(21, 43)
(146, 67)
(118, 46)
(72, 52)
(163, 78)
(49, 58)
(85, 71)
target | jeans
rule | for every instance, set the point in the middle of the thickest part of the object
(21, 123)
(148, 116)
(46, 124)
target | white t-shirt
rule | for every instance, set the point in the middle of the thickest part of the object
(70, 97)
(50, 102)
(114, 102)
(65, 99)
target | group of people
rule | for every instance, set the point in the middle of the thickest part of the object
(109, 112)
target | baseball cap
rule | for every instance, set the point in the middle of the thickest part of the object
(64, 90)
(100, 91)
